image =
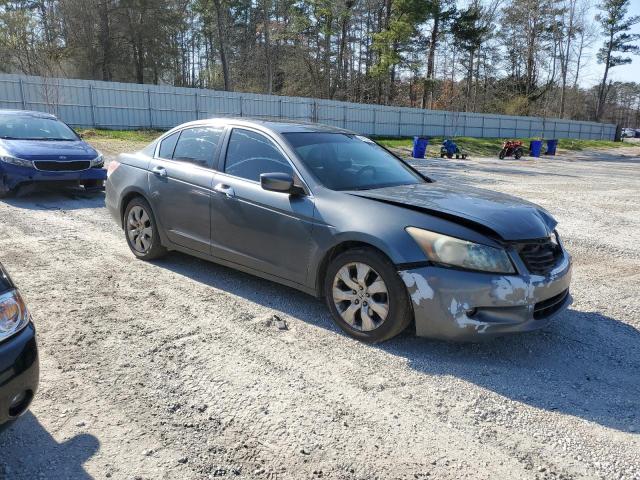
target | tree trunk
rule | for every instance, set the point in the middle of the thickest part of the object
(427, 93)
(104, 36)
(266, 4)
(602, 91)
(222, 46)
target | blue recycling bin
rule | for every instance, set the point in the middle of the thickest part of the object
(551, 147)
(535, 147)
(419, 147)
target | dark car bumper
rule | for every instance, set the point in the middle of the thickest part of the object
(19, 374)
(13, 175)
(467, 306)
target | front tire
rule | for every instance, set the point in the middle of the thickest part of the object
(93, 184)
(366, 296)
(4, 190)
(141, 230)
(502, 154)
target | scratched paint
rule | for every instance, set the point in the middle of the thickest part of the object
(459, 312)
(418, 287)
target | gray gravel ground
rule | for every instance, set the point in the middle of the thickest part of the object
(173, 369)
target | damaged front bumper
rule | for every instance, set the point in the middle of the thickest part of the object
(453, 304)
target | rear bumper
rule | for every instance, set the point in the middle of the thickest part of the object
(468, 306)
(13, 176)
(19, 373)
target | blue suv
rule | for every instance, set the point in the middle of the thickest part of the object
(37, 148)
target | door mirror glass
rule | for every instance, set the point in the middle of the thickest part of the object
(277, 182)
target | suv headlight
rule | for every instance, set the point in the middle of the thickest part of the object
(20, 162)
(14, 315)
(98, 161)
(454, 252)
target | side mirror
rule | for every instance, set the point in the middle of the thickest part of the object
(278, 182)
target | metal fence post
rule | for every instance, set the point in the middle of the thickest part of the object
(280, 108)
(375, 121)
(241, 109)
(92, 106)
(23, 100)
(196, 105)
(149, 105)
(399, 121)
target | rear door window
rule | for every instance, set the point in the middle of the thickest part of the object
(168, 145)
(250, 153)
(198, 145)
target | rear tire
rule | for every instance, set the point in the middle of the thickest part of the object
(141, 230)
(518, 154)
(379, 309)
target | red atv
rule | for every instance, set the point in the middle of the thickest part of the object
(511, 148)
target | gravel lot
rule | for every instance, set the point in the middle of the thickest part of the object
(173, 369)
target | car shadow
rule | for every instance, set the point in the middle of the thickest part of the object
(57, 199)
(29, 451)
(585, 364)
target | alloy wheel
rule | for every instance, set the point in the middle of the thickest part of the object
(139, 229)
(360, 296)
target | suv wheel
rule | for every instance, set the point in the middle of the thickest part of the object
(141, 230)
(366, 296)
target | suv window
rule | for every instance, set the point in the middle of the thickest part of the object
(168, 145)
(198, 145)
(249, 154)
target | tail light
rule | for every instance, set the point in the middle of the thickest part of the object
(113, 166)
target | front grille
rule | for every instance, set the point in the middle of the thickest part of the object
(539, 256)
(549, 306)
(51, 166)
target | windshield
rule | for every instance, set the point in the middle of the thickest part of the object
(26, 127)
(350, 162)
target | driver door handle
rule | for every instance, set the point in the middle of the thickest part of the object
(159, 171)
(224, 189)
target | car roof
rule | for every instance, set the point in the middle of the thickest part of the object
(27, 113)
(280, 126)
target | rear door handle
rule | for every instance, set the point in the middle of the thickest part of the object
(159, 171)
(224, 189)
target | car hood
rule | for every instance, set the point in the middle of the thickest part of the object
(509, 217)
(49, 150)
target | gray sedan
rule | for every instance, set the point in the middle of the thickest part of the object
(334, 214)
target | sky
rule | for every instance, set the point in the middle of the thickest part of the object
(624, 73)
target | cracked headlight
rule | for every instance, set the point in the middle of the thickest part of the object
(454, 252)
(14, 315)
(20, 162)
(98, 161)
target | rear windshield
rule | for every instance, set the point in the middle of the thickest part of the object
(26, 127)
(350, 162)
